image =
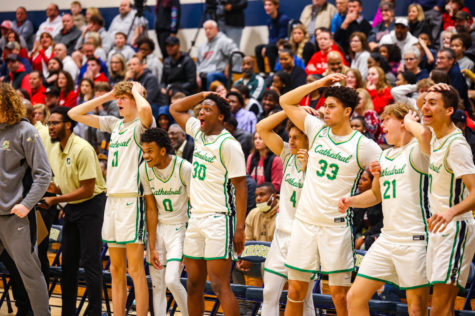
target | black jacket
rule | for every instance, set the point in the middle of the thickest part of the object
(342, 36)
(168, 14)
(188, 150)
(181, 72)
(150, 83)
(235, 17)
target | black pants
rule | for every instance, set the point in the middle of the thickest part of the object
(162, 35)
(271, 53)
(82, 243)
(49, 217)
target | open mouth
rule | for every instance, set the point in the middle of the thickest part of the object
(202, 122)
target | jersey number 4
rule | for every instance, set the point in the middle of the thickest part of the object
(199, 171)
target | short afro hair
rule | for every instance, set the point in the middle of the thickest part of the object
(159, 136)
(222, 105)
(238, 96)
(63, 111)
(348, 97)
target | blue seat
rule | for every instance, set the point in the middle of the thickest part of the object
(471, 280)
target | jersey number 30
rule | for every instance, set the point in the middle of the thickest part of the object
(199, 171)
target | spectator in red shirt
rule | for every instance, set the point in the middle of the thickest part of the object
(263, 165)
(318, 63)
(42, 52)
(379, 89)
(38, 91)
(67, 95)
(451, 9)
(93, 71)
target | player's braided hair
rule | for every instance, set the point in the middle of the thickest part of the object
(159, 136)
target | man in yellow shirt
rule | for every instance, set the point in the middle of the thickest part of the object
(79, 182)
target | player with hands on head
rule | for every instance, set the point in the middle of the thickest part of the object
(451, 196)
(124, 216)
(337, 157)
(400, 181)
(218, 195)
(294, 156)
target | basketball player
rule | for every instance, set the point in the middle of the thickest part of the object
(294, 156)
(321, 238)
(218, 192)
(123, 227)
(398, 256)
(451, 196)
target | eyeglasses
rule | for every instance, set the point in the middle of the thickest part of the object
(53, 123)
(409, 59)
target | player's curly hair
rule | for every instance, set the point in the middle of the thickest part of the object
(222, 105)
(159, 136)
(11, 107)
(125, 88)
(348, 97)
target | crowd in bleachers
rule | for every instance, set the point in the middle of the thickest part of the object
(72, 58)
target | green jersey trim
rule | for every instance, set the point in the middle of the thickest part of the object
(180, 173)
(126, 129)
(391, 283)
(343, 141)
(338, 271)
(358, 150)
(453, 250)
(445, 141)
(214, 141)
(302, 270)
(412, 164)
(169, 176)
(314, 138)
(276, 273)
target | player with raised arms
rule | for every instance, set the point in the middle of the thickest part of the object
(451, 196)
(124, 218)
(218, 194)
(321, 239)
(400, 182)
(294, 155)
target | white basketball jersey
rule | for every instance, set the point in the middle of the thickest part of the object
(290, 190)
(170, 189)
(334, 166)
(445, 187)
(211, 190)
(125, 156)
(403, 185)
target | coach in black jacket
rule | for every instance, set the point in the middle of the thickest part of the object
(179, 69)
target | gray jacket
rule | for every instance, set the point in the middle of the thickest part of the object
(213, 56)
(21, 148)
